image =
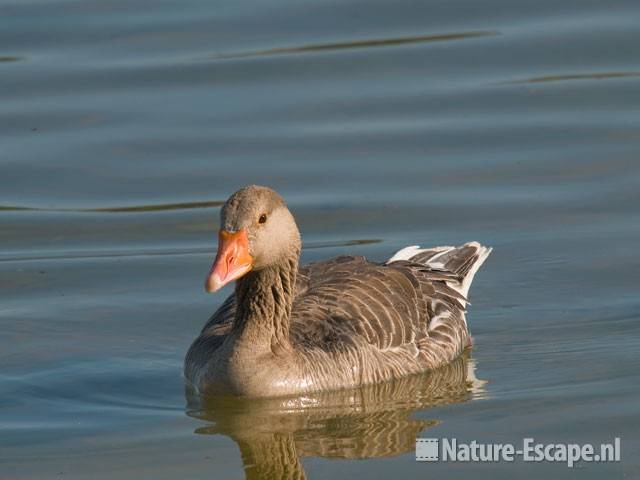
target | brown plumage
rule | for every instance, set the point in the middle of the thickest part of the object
(334, 324)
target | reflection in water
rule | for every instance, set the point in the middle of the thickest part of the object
(377, 42)
(373, 421)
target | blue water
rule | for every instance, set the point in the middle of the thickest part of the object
(123, 125)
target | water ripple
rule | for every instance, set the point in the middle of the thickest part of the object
(168, 252)
(573, 77)
(130, 209)
(376, 42)
(7, 58)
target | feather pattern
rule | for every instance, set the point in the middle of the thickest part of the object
(339, 323)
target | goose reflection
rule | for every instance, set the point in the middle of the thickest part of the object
(372, 421)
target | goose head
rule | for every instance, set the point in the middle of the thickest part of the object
(257, 231)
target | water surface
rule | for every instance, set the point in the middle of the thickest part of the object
(123, 126)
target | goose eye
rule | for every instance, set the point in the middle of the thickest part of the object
(263, 218)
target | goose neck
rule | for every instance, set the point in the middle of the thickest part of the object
(264, 299)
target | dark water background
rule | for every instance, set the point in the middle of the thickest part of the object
(124, 124)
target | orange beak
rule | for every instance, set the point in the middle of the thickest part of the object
(232, 261)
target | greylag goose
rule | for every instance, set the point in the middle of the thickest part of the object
(334, 324)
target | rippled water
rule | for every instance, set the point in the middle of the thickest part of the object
(123, 125)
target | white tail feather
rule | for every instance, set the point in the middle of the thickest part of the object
(440, 259)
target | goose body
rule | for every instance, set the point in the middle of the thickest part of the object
(340, 323)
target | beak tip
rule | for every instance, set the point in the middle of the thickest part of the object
(212, 285)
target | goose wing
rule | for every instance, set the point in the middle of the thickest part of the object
(416, 301)
(349, 300)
